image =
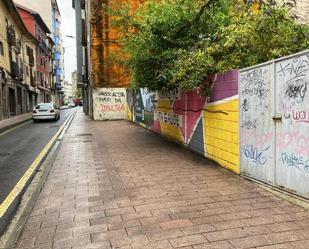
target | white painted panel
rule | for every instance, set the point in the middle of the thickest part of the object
(292, 133)
(256, 128)
(109, 103)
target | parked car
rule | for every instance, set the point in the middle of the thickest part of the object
(71, 104)
(45, 111)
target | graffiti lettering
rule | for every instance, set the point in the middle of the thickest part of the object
(258, 90)
(245, 105)
(260, 139)
(301, 116)
(112, 94)
(297, 91)
(257, 156)
(113, 108)
(249, 125)
(295, 69)
(170, 118)
(300, 141)
(172, 94)
(255, 84)
(291, 160)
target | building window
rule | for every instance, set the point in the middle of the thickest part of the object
(27, 71)
(1, 49)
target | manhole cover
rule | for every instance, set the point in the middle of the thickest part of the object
(4, 154)
(84, 134)
(54, 126)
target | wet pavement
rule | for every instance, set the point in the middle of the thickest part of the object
(117, 185)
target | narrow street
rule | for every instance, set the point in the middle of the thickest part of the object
(21, 146)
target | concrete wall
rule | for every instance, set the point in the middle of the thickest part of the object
(109, 104)
(208, 127)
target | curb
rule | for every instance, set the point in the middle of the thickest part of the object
(10, 126)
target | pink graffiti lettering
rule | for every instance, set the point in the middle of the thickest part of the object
(300, 141)
(260, 139)
(301, 116)
(113, 108)
(283, 140)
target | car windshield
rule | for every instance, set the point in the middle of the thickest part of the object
(43, 106)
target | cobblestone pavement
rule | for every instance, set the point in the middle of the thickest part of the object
(117, 185)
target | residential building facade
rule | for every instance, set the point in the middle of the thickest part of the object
(82, 53)
(18, 91)
(38, 28)
(50, 13)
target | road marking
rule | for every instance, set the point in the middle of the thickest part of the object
(4, 206)
(15, 127)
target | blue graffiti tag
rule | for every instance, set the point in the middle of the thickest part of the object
(257, 156)
(292, 160)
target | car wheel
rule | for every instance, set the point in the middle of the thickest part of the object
(34, 120)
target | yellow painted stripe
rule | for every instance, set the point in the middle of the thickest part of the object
(23, 180)
(15, 127)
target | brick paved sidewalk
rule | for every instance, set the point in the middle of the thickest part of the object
(116, 185)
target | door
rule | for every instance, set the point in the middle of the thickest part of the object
(12, 102)
(292, 126)
(256, 128)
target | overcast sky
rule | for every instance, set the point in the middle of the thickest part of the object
(68, 28)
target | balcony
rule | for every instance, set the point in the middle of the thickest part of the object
(18, 46)
(32, 80)
(30, 56)
(11, 36)
(16, 71)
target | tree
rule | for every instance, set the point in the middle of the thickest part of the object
(181, 43)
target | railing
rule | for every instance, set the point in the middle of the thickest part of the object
(16, 72)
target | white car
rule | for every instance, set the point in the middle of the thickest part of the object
(71, 104)
(44, 111)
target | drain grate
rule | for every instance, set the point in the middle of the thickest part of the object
(84, 134)
(54, 126)
(4, 154)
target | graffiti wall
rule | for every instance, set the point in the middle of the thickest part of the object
(109, 104)
(274, 122)
(292, 131)
(210, 128)
(256, 125)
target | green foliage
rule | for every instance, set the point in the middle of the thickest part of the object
(180, 43)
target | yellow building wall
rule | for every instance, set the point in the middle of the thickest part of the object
(4, 60)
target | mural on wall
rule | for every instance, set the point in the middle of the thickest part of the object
(109, 104)
(144, 107)
(220, 121)
(210, 129)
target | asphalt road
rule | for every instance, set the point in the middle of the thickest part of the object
(21, 146)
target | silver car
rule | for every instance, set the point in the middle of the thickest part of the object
(44, 111)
